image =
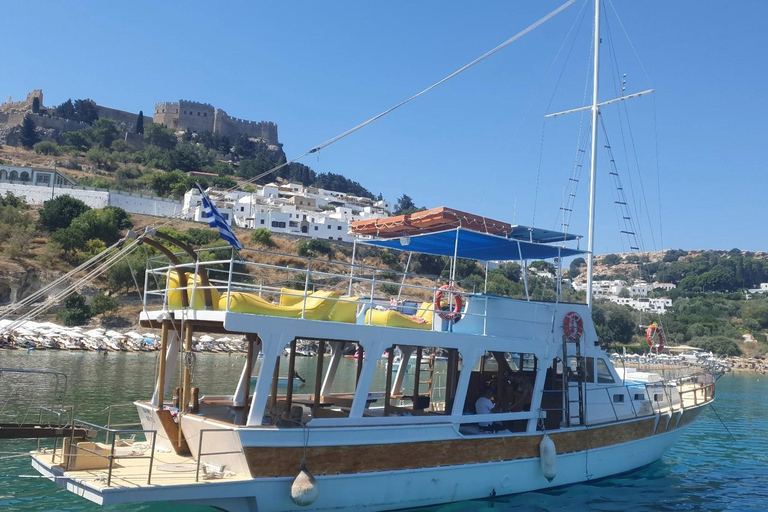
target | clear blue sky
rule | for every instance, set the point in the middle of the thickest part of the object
(318, 68)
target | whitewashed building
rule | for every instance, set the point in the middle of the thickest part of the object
(646, 304)
(292, 209)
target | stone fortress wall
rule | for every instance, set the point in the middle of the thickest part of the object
(181, 115)
(200, 117)
(125, 120)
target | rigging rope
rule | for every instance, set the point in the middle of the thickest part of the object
(579, 17)
(622, 107)
(582, 140)
(352, 130)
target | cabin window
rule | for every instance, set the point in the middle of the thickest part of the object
(414, 381)
(311, 394)
(618, 399)
(509, 375)
(604, 375)
(581, 369)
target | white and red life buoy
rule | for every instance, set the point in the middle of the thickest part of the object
(573, 326)
(449, 314)
(655, 330)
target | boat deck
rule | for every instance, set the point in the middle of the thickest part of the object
(168, 469)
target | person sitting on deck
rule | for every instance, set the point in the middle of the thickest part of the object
(484, 405)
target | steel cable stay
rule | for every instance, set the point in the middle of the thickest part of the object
(624, 109)
(471, 64)
(582, 139)
(580, 19)
(55, 299)
(631, 230)
(12, 308)
(655, 121)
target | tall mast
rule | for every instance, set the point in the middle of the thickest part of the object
(593, 159)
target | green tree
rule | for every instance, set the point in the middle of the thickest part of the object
(262, 236)
(160, 136)
(511, 271)
(140, 123)
(78, 139)
(102, 158)
(224, 182)
(611, 259)
(404, 204)
(314, 247)
(75, 312)
(60, 212)
(47, 148)
(66, 110)
(575, 268)
(102, 224)
(85, 111)
(14, 201)
(101, 304)
(105, 132)
(29, 136)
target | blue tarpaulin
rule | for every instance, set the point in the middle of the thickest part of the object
(474, 245)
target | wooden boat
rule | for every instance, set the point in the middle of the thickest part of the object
(383, 439)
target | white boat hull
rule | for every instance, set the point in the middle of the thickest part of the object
(374, 490)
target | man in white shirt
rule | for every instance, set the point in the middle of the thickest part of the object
(484, 405)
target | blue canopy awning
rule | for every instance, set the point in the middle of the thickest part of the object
(474, 245)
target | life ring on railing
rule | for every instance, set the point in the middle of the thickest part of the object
(573, 326)
(444, 308)
(655, 329)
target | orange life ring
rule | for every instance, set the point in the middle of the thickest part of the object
(655, 329)
(573, 326)
(449, 315)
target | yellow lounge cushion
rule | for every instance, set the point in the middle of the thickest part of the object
(318, 305)
(345, 310)
(289, 296)
(392, 318)
(196, 299)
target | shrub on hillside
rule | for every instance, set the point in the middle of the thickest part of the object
(102, 303)
(314, 248)
(60, 212)
(75, 312)
(263, 236)
(47, 148)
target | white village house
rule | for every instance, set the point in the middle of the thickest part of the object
(290, 208)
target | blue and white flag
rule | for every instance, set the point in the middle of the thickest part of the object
(215, 220)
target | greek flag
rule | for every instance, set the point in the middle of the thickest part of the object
(215, 220)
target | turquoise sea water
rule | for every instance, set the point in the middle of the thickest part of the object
(706, 470)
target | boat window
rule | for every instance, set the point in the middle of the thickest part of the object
(581, 369)
(510, 376)
(604, 375)
(325, 375)
(414, 380)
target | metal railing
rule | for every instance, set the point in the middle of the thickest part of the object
(200, 453)
(669, 403)
(299, 277)
(112, 456)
